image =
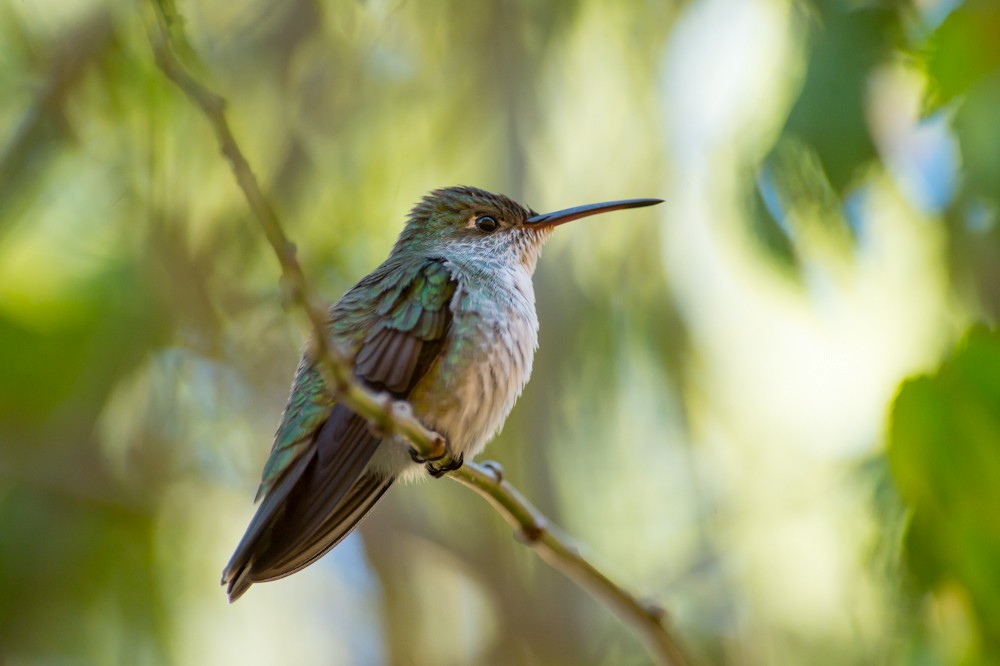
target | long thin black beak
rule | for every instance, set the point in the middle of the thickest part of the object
(570, 214)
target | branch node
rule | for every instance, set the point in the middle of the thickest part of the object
(386, 405)
(655, 611)
(496, 469)
(531, 534)
(438, 446)
(400, 409)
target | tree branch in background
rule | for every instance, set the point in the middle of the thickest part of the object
(392, 416)
(33, 140)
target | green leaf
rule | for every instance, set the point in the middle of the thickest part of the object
(964, 49)
(829, 115)
(944, 452)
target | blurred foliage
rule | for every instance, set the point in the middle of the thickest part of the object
(944, 448)
(963, 64)
(829, 115)
(963, 52)
(708, 408)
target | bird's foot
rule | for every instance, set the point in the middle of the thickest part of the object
(420, 459)
(447, 464)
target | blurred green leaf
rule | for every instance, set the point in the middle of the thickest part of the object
(829, 114)
(979, 136)
(963, 64)
(964, 49)
(944, 451)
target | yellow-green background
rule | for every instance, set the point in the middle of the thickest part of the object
(713, 414)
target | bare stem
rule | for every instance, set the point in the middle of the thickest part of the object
(392, 417)
(534, 530)
(396, 417)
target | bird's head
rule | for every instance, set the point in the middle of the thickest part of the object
(466, 223)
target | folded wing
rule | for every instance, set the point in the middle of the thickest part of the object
(317, 485)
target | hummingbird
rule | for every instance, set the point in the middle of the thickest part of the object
(447, 322)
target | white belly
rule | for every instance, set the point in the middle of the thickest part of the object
(469, 391)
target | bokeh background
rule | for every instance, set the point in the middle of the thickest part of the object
(723, 411)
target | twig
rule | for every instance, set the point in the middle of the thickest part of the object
(396, 417)
(390, 416)
(554, 548)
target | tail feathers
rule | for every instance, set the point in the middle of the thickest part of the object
(237, 571)
(274, 552)
(238, 584)
(314, 504)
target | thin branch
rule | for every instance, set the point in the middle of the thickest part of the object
(396, 417)
(392, 417)
(555, 549)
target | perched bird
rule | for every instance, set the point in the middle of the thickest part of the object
(447, 323)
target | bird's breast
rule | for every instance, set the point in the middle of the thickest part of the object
(486, 361)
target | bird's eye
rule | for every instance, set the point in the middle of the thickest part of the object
(486, 223)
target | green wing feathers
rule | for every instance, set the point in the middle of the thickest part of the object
(316, 484)
(308, 406)
(394, 322)
(412, 322)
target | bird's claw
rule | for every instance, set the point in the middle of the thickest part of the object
(438, 466)
(420, 459)
(449, 464)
